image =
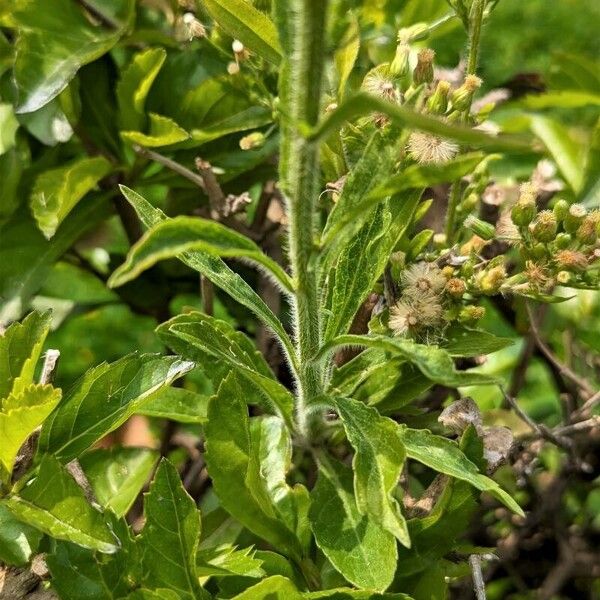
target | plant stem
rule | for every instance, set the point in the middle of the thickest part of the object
(475, 23)
(303, 36)
(453, 200)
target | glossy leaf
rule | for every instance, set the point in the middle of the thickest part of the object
(226, 561)
(183, 234)
(46, 58)
(244, 22)
(117, 475)
(163, 131)
(196, 335)
(56, 192)
(176, 404)
(169, 540)
(378, 461)
(53, 503)
(20, 415)
(18, 541)
(234, 470)
(272, 588)
(444, 455)
(363, 552)
(103, 399)
(217, 272)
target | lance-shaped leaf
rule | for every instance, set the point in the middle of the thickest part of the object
(363, 552)
(135, 83)
(176, 404)
(117, 475)
(56, 192)
(169, 540)
(434, 362)
(20, 415)
(234, 469)
(20, 348)
(53, 503)
(103, 399)
(378, 461)
(244, 22)
(444, 455)
(272, 446)
(162, 132)
(214, 269)
(463, 341)
(46, 57)
(18, 541)
(196, 335)
(183, 234)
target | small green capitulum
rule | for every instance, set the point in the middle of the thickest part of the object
(523, 212)
(574, 217)
(561, 209)
(544, 227)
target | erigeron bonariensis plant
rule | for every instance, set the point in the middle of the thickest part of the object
(327, 478)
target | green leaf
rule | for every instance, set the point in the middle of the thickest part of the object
(176, 404)
(244, 22)
(218, 273)
(272, 588)
(347, 53)
(103, 399)
(20, 415)
(434, 362)
(162, 132)
(444, 455)
(169, 540)
(117, 475)
(56, 192)
(18, 541)
(563, 149)
(135, 83)
(234, 469)
(20, 348)
(53, 503)
(560, 99)
(158, 594)
(350, 594)
(226, 561)
(183, 234)
(196, 335)
(8, 127)
(363, 552)
(378, 461)
(463, 341)
(46, 58)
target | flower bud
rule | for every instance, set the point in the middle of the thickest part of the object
(561, 208)
(490, 280)
(563, 277)
(563, 240)
(471, 313)
(586, 232)
(455, 287)
(523, 212)
(423, 72)
(544, 227)
(252, 141)
(484, 230)
(574, 217)
(463, 96)
(399, 67)
(194, 27)
(571, 260)
(414, 33)
(233, 68)
(438, 101)
(539, 250)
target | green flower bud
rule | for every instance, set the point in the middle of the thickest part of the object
(574, 217)
(561, 208)
(463, 96)
(423, 72)
(544, 227)
(483, 229)
(586, 232)
(470, 202)
(252, 141)
(399, 67)
(539, 250)
(438, 101)
(471, 313)
(563, 277)
(414, 33)
(563, 240)
(490, 281)
(523, 212)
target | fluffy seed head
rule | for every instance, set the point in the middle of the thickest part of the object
(423, 277)
(414, 313)
(571, 260)
(427, 148)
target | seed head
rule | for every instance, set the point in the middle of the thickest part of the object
(194, 27)
(414, 313)
(455, 287)
(586, 233)
(423, 277)
(428, 148)
(571, 260)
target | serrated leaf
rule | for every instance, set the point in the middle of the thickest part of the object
(234, 469)
(444, 455)
(46, 58)
(378, 461)
(163, 131)
(134, 85)
(20, 415)
(169, 540)
(434, 362)
(196, 335)
(20, 348)
(227, 561)
(18, 541)
(363, 552)
(56, 192)
(176, 404)
(183, 234)
(463, 341)
(53, 503)
(247, 24)
(217, 272)
(117, 475)
(272, 588)
(103, 399)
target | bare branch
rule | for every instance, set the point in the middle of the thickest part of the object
(478, 583)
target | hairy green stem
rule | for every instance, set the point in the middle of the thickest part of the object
(453, 201)
(302, 24)
(475, 24)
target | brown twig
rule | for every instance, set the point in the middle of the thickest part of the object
(478, 583)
